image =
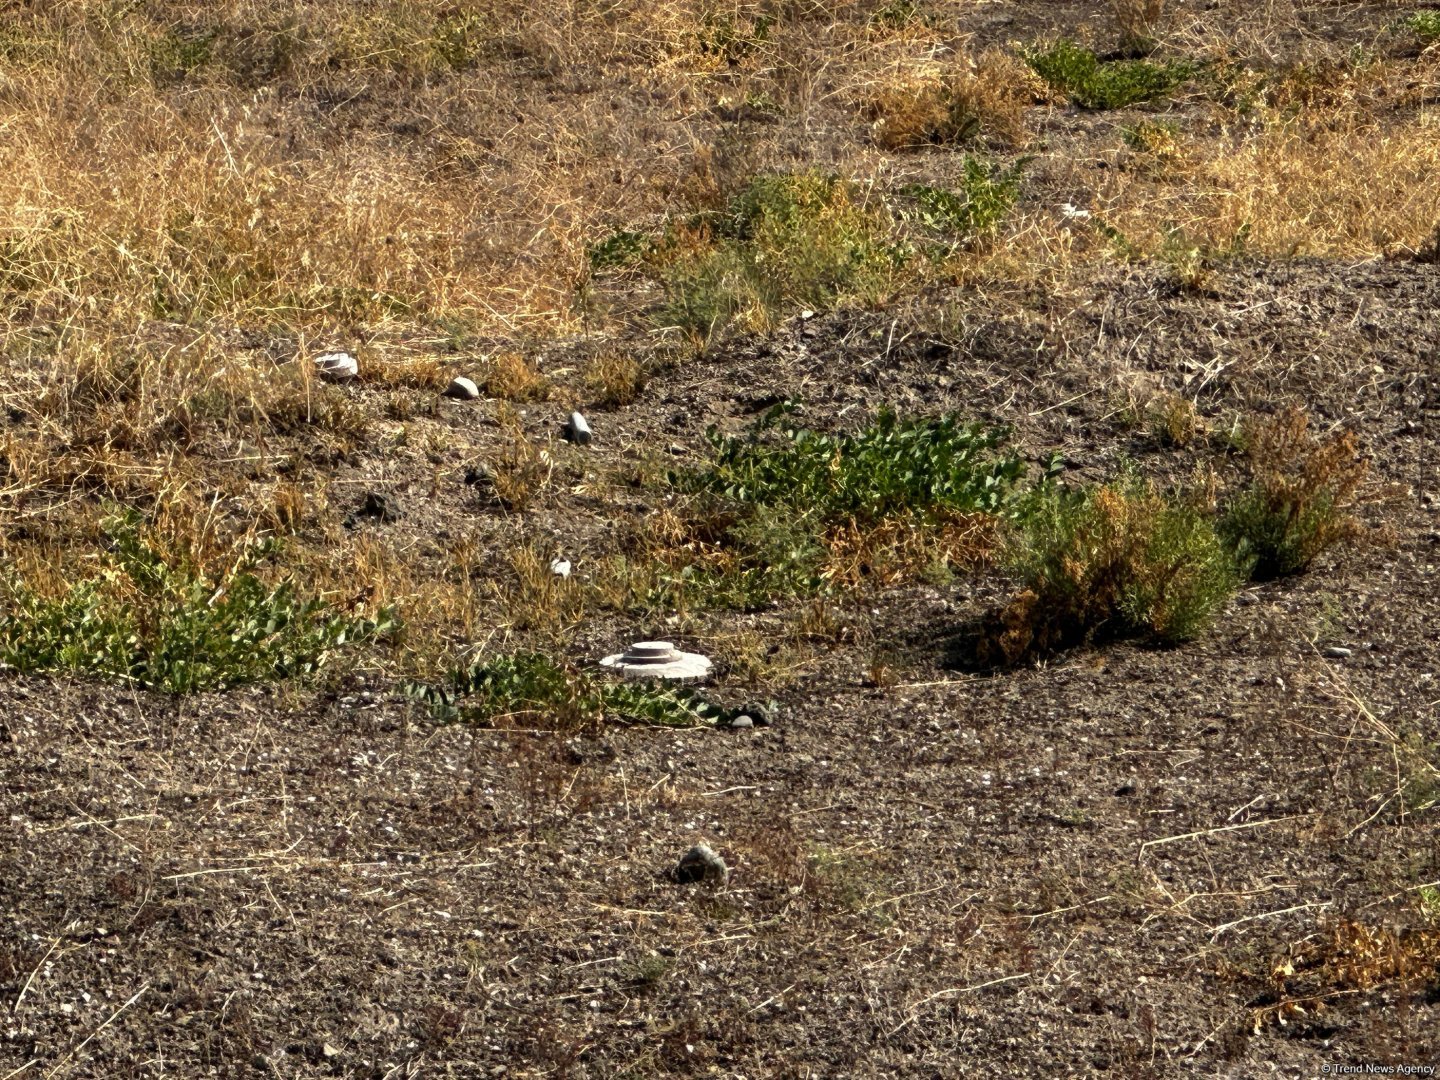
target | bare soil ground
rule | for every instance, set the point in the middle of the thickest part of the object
(1094, 865)
(1218, 859)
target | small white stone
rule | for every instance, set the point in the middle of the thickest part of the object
(337, 366)
(560, 567)
(462, 388)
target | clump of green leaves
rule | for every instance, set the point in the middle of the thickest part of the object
(1121, 559)
(158, 620)
(1425, 25)
(1093, 83)
(1296, 505)
(785, 510)
(984, 198)
(891, 465)
(530, 688)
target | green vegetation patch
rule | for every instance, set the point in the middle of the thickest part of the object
(530, 688)
(804, 240)
(1093, 83)
(161, 622)
(892, 465)
(1120, 559)
(1425, 25)
(784, 510)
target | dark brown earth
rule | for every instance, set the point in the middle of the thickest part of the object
(1095, 866)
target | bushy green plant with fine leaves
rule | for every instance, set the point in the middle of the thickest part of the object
(1296, 505)
(157, 620)
(1121, 559)
(531, 688)
(1093, 83)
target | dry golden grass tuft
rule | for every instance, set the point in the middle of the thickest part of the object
(613, 378)
(1347, 957)
(511, 376)
(986, 101)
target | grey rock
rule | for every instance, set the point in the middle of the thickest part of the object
(463, 389)
(742, 721)
(763, 713)
(381, 506)
(1336, 652)
(577, 430)
(700, 863)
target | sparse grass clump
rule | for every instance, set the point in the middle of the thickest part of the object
(1093, 83)
(1120, 559)
(786, 240)
(157, 619)
(512, 376)
(1296, 505)
(613, 378)
(530, 689)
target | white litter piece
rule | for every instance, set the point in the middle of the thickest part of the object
(1070, 210)
(338, 366)
(462, 388)
(577, 430)
(657, 660)
(560, 567)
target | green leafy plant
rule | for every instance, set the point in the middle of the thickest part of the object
(1120, 559)
(1296, 505)
(1093, 83)
(785, 510)
(983, 200)
(159, 621)
(1425, 25)
(531, 688)
(889, 466)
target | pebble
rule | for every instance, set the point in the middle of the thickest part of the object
(379, 505)
(700, 863)
(337, 366)
(762, 714)
(577, 430)
(742, 721)
(560, 567)
(462, 388)
(1336, 652)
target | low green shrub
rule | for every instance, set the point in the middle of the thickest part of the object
(530, 688)
(1093, 83)
(1296, 504)
(984, 198)
(159, 621)
(892, 465)
(1119, 559)
(785, 511)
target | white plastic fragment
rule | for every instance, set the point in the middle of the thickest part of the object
(462, 388)
(578, 430)
(560, 567)
(657, 660)
(337, 366)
